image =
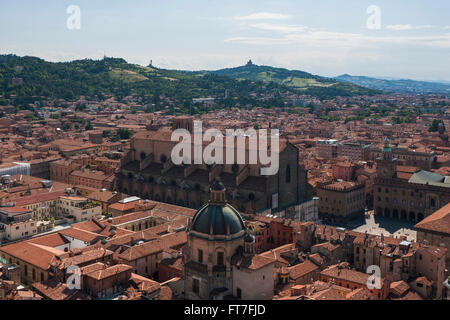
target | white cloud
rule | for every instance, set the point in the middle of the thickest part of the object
(327, 39)
(280, 28)
(264, 16)
(306, 36)
(404, 27)
(446, 27)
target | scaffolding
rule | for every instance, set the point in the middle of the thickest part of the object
(15, 169)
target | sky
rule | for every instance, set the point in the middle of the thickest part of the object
(381, 38)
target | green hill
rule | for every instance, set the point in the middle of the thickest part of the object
(27, 79)
(97, 78)
(303, 82)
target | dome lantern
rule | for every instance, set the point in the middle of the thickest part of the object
(218, 193)
(217, 219)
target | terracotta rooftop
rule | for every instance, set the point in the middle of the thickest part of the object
(109, 272)
(34, 254)
(253, 262)
(79, 234)
(302, 269)
(399, 288)
(55, 290)
(439, 221)
(43, 197)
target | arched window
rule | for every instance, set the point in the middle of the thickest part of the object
(220, 261)
(432, 202)
(288, 174)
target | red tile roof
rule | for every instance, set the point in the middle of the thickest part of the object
(439, 221)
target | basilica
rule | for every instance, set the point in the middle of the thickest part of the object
(147, 171)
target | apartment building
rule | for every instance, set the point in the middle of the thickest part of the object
(79, 208)
(16, 222)
(327, 149)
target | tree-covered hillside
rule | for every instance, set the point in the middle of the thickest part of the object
(303, 82)
(30, 78)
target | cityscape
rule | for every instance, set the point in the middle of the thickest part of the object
(123, 179)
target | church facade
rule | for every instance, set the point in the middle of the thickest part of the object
(220, 260)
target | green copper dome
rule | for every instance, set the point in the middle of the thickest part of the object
(219, 218)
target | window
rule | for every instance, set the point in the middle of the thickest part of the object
(200, 256)
(432, 202)
(196, 286)
(288, 174)
(239, 293)
(220, 258)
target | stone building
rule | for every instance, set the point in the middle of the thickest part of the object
(147, 171)
(61, 169)
(354, 151)
(408, 157)
(341, 200)
(435, 230)
(327, 149)
(220, 259)
(407, 199)
(16, 223)
(79, 208)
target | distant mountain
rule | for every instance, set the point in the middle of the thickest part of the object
(397, 85)
(28, 78)
(303, 82)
